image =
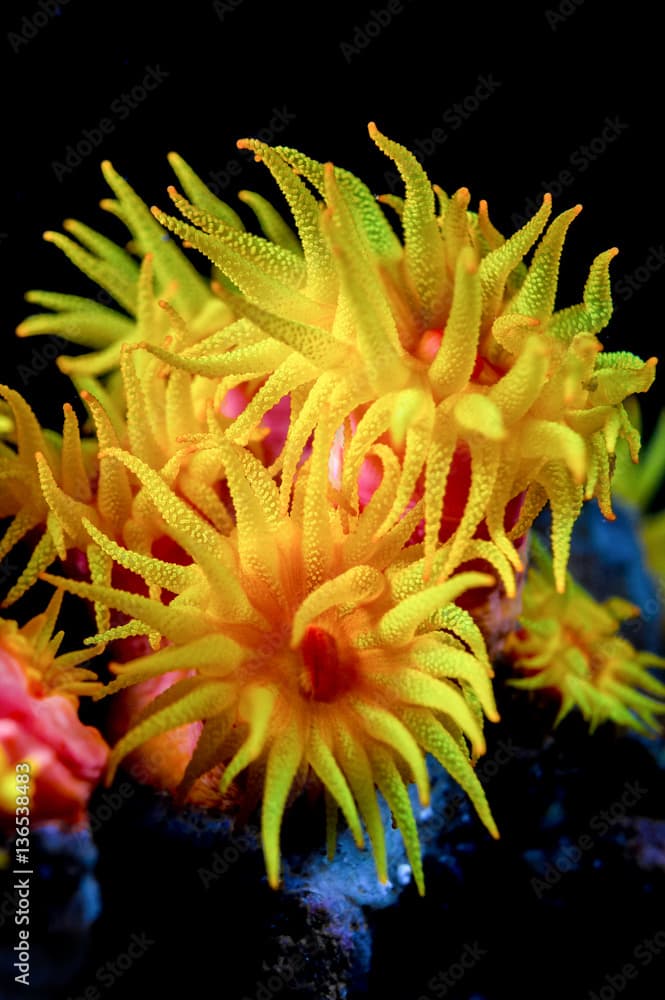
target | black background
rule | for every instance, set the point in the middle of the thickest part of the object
(315, 76)
(564, 72)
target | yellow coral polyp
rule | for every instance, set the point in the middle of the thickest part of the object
(570, 643)
(35, 646)
(444, 346)
(313, 654)
(103, 329)
(39, 456)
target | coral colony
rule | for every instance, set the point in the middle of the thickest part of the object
(299, 504)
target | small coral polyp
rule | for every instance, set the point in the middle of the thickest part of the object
(570, 644)
(39, 724)
(311, 654)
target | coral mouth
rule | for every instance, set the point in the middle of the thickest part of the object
(326, 675)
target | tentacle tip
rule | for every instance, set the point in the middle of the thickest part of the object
(254, 145)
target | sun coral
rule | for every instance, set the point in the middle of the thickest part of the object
(147, 301)
(39, 722)
(51, 481)
(162, 760)
(570, 643)
(313, 651)
(69, 462)
(293, 473)
(447, 348)
(493, 401)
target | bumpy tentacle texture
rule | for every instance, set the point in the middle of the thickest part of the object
(173, 301)
(446, 347)
(51, 482)
(311, 652)
(640, 486)
(35, 646)
(570, 643)
(325, 438)
(38, 456)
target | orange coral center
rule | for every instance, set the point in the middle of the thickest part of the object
(484, 372)
(428, 345)
(325, 676)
